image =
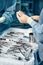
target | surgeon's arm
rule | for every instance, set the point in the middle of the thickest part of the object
(37, 29)
(36, 26)
(23, 17)
(7, 17)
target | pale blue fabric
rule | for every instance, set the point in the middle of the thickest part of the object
(38, 34)
(6, 9)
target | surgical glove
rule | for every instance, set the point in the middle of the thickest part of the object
(22, 17)
(2, 19)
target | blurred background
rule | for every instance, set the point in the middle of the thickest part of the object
(31, 7)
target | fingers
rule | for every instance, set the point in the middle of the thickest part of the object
(18, 16)
(35, 17)
(21, 17)
(20, 13)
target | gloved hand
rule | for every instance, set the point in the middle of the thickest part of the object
(22, 17)
(2, 19)
(35, 17)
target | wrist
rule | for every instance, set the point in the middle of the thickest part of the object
(29, 20)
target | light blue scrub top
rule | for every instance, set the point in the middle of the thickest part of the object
(38, 34)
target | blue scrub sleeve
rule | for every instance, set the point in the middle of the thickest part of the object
(38, 28)
(9, 13)
(38, 32)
